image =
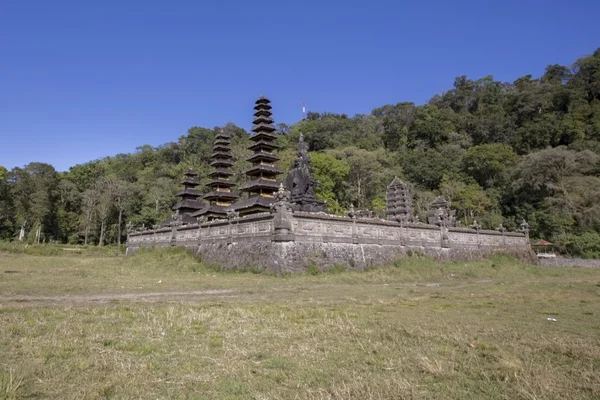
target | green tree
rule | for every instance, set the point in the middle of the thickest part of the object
(431, 126)
(469, 199)
(34, 189)
(6, 207)
(489, 164)
(331, 174)
(362, 175)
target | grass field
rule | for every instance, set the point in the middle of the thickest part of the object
(160, 325)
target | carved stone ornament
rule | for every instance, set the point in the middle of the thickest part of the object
(232, 214)
(351, 212)
(475, 225)
(282, 200)
(524, 227)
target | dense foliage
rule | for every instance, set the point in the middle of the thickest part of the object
(499, 151)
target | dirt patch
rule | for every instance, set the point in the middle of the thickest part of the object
(204, 295)
(109, 297)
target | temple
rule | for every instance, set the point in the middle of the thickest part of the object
(220, 195)
(301, 184)
(262, 176)
(399, 202)
(189, 204)
(282, 228)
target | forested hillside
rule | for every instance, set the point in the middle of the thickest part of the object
(499, 151)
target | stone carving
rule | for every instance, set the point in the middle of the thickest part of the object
(399, 202)
(300, 182)
(524, 227)
(440, 213)
(232, 214)
(177, 220)
(475, 225)
(351, 212)
(282, 200)
(282, 208)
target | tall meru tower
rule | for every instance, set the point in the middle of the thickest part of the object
(189, 203)
(220, 195)
(261, 178)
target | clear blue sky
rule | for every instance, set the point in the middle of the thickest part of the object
(81, 80)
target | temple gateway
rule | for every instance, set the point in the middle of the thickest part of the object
(282, 226)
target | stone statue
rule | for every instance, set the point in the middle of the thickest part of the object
(300, 182)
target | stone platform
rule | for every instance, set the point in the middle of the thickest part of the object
(284, 240)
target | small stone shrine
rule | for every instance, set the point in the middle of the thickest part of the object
(261, 177)
(399, 202)
(440, 214)
(220, 196)
(189, 203)
(301, 184)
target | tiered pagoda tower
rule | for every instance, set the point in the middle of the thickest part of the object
(262, 176)
(399, 202)
(220, 195)
(189, 203)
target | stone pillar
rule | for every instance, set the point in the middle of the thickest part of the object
(231, 215)
(444, 236)
(282, 216)
(502, 229)
(352, 214)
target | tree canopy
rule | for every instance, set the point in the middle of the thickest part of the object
(499, 151)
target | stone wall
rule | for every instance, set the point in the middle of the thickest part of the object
(289, 241)
(570, 262)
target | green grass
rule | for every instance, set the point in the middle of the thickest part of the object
(161, 325)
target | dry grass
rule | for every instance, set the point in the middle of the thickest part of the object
(418, 330)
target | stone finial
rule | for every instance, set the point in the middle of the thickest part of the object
(282, 200)
(280, 194)
(176, 220)
(351, 212)
(232, 214)
(501, 228)
(475, 225)
(524, 227)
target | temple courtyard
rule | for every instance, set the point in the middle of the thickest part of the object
(83, 324)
